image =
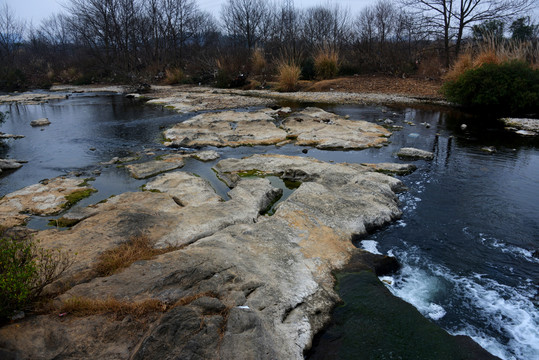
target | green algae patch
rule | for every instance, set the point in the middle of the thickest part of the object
(252, 173)
(77, 196)
(63, 223)
(86, 182)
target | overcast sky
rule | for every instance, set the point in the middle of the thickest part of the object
(36, 10)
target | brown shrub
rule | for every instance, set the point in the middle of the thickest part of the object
(258, 61)
(173, 76)
(326, 62)
(460, 66)
(288, 75)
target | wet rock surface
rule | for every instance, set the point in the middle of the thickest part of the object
(415, 154)
(46, 198)
(310, 127)
(392, 168)
(240, 284)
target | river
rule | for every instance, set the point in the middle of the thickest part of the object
(470, 223)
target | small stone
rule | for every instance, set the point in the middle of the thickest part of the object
(40, 122)
(305, 151)
(489, 149)
(18, 316)
(412, 153)
(92, 149)
(97, 172)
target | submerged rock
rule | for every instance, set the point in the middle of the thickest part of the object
(9, 164)
(413, 153)
(312, 127)
(47, 198)
(40, 122)
(10, 136)
(240, 285)
(392, 168)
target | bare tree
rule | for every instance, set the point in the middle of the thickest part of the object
(326, 25)
(244, 19)
(450, 18)
(11, 34)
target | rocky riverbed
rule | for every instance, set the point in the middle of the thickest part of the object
(231, 281)
(261, 285)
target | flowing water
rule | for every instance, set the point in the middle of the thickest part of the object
(468, 237)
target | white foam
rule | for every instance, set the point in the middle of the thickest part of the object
(418, 288)
(507, 321)
(370, 246)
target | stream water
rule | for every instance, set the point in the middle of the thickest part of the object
(466, 240)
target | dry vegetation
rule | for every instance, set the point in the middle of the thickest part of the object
(493, 51)
(136, 248)
(86, 307)
(326, 62)
(288, 75)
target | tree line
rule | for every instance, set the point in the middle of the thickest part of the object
(140, 40)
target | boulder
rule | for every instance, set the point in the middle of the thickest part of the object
(40, 122)
(415, 154)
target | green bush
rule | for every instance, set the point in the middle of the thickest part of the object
(25, 269)
(511, 87)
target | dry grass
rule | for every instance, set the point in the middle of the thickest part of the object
(288, 75)
(258, 61)
(173, 76)
(85, 307)
(493, 51)
(136, 248)
(326, 62)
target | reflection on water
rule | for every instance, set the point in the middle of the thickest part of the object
(469, 228)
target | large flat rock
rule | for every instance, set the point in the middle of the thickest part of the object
(415, 154)
(46, 198)
(245, 285)
(324, 130)
(310, 127)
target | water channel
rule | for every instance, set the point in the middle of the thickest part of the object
(468, 238)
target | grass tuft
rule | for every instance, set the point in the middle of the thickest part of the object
(288, 75)
(326, 62)
(136, 248)
(174, 76)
